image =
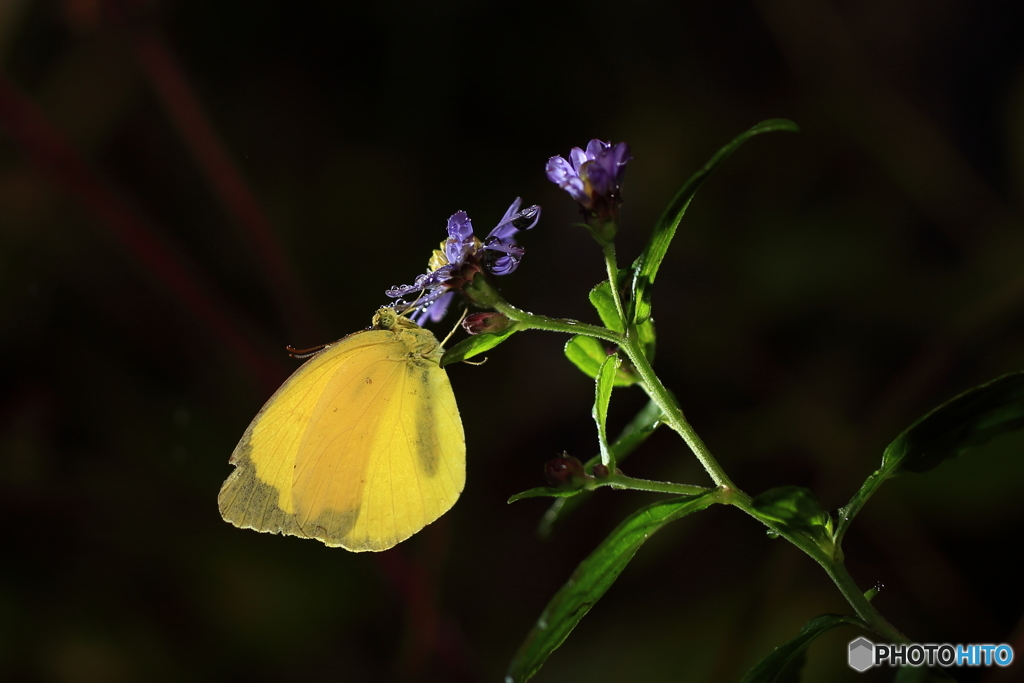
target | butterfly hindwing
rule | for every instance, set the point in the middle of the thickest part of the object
(360, 448)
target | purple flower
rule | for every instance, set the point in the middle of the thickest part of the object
(461, 257)
(594, 176)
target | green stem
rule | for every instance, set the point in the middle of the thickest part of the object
(674, 417)
(623, 482)
(865, 610)
(613, 278)
(850, 510)
(531, 321)
(673, 414)
(630, 344)
(834, 567)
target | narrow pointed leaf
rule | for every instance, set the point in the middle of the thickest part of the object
(604, 384)
(589, 354)
(475, 345)
(586, 353)
(546, 492)
(593, 577)
(969, 420)
(645, 269)
(635, 433)
(645, 331)
(604, 303)
(783, 665)
(796, 508)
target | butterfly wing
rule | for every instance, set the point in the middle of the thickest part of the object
(361, 448)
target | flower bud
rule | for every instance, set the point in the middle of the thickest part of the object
(485, 321)
(593, 177)
(564, 472)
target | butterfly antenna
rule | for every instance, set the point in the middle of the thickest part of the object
(458, 322)
(305, 353)
(411, 306)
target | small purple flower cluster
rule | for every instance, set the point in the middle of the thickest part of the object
(592, 177)
(461, 257)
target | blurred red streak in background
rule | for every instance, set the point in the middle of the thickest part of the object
(47, 148)
(53, 154)
(185, 111)
(25, 123)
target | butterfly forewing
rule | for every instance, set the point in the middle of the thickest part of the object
(420, 455)
(360, 448)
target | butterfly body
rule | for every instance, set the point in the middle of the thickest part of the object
(360, 448)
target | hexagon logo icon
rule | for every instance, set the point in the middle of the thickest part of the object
(862, 654)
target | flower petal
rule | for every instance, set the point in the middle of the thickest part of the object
(579, 157)
(435, 310)
(503, 265)
(513, 221)
(595, 147)
(565, 176)
(460, 238)
(559, 170)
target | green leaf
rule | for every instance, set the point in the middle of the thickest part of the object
(601, 297)
(586, 353)
(593, 577)
(969, 420)
(604, 303)
(475, 345)
(645, 331)
(589, 354)
(783, 665)
(635, 433)
(645, 268)
(546, 492)
(605, 382)
(795, 508)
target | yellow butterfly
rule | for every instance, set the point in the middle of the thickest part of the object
(360, 448)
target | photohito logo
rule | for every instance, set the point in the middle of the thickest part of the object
(863, 654)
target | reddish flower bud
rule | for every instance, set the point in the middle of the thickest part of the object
(486, 321)
(564, 472)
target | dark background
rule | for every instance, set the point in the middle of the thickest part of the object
(188, 186)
